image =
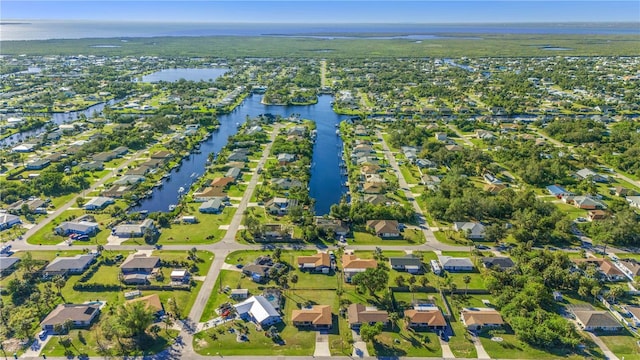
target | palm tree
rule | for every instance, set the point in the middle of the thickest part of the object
(393, 318)
(59, 281)
(467, 280)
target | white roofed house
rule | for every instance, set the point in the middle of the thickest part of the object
(213, 206)
(259, 310)
(82, 227)
(280, 206)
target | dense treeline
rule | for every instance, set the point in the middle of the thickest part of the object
(576, 131)
(524, 297)
(530, 219)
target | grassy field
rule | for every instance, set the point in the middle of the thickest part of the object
(405, 343)
(512, 348)
(410, 237)
(229, 46)
(46, 235)
(622, 345)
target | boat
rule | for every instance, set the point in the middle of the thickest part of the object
(338, 132)
(172, 207)
(181, 190)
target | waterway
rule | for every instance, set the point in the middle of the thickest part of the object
(56, 118)
(326, 180)
(172, 75)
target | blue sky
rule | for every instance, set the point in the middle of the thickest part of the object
(425, 11)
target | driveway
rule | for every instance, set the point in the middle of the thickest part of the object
(322, 345)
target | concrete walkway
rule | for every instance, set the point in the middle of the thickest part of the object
(605, 350)
(482, 354)
(359, 346)
(446, 349)
(322, 345)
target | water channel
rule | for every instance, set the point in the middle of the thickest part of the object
(326, 180)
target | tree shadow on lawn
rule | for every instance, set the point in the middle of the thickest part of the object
(416, 342)
(386, 350)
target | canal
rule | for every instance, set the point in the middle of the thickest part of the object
(326, 181)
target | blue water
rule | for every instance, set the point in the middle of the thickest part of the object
(172, 75)
(325, 184)
(65, 29)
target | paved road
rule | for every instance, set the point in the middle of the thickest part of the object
(605, 350)
(432, 243)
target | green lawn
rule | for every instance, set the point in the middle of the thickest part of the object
(512, 348)
(46, 235)
(85, 342)
(405, 343)
(628, 256)
(622, 345)
(410, 237)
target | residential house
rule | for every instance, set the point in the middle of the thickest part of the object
(558, 191)
(233, 173)
(222, 182)
(622, 191)
(98, 203)
(239, 294)
(494, 188)
(7, 220)
(489, 178)
(319, 263)
(337, 226)
(37, 164)
(373, 188)
(453, 147)
(285, 158)
(129, 180)
(140, 264)
(135, 279)
(425, 317)
(151, 302)
(454, 264)
(258, 273)
(376, 199)
(179, 275)
(259, 310)
(479, 318)
(440, 136)
(498, 263)
(595, 215)
(586, 173)
(134, 230)
(34, 206)
(276, 231)
(634, 313)
(426, 164)
(359, 314)
(591, 320)
(410, 264)
(472, 230)
(317, 317)
(352, 265)
(213, 206)
(82, 315)
(280, 206)
(68, 265)
(584, 202)
(384, 228)
(209, 193)
(634, 201)
(631, 267)
(484, 135)
(8, 265)
(92, 166)
(240, 154)
(370, 169)
(606, 267)
(77, 226)
(163, 155)
(286, 184)
(116, 191)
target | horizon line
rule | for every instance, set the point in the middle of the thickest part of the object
(335, 22)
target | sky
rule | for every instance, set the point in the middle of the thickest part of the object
(302, 11)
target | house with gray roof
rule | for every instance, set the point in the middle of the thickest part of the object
(133, 230)
(81, 227)
(286, 184)
(233, 173)
(82, 315)
(472, 230)
(500, 263)
(98, 203)
(68, 265)
(410, 264)
(213, 206)
(591, 320)
(285, 158)
(7, 220)
(238, 155)
(585, 173)
(8, 264)
(453, 264)
(92, 166)
(37, 164)
(129, 179)
(140, 264)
